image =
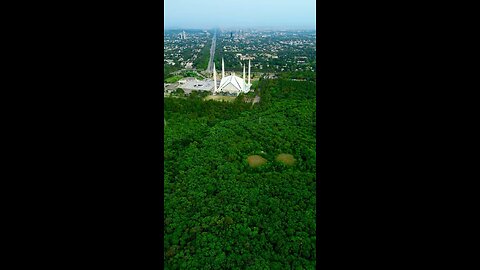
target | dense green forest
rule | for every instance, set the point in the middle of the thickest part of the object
(299, 75)
(219, 212)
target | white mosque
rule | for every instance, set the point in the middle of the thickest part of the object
(231, 84)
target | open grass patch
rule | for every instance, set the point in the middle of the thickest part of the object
(256, 161)
(173, 79)
(220, 98)
(286, 159)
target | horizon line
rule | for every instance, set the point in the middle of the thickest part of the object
(231, 27)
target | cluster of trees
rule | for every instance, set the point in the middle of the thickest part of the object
(201, 63)
(299, 75)
(168, 71)
(219, 212)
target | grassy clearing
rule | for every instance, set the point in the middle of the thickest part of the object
(286, 159)
(220, 98)
(173, 79)
(256, 161)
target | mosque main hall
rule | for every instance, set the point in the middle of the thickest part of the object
(231, 85)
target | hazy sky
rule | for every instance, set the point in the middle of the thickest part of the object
(239, 13)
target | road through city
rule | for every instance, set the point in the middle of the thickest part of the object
(212, 53)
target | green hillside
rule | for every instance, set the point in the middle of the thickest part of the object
(220, 213)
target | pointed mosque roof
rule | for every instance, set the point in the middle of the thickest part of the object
(237, 82)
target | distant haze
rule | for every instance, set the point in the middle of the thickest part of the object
(206, 14)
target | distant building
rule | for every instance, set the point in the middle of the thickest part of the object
(183, 35)
(246, 57)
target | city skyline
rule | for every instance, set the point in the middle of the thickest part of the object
(228, 14)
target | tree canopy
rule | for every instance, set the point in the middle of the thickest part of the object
(221, 213)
